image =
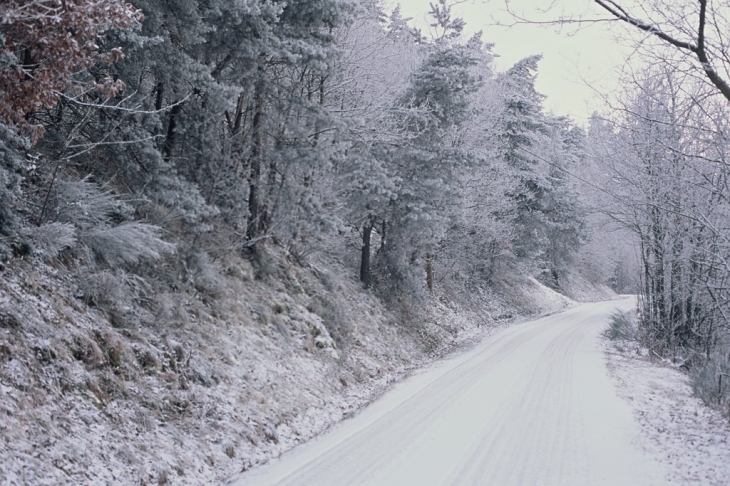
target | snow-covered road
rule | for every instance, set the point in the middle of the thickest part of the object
(530, 405)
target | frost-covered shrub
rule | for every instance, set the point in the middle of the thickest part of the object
(204, 273)
(181, 199)
(621, 327)
(160, 190)
(102, 225)
(107, 288)
(335, 319)
(398, 276)
(50, 239)
(710, 380)
(121, 296)
(127, 243)
(84, 204)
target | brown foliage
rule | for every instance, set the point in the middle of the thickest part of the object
(44, 43)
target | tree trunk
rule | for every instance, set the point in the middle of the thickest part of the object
(429, 271)
(255, 227)
(170, 137)
(365, 255)
(160, 95)
(382, 237)
(657, 276)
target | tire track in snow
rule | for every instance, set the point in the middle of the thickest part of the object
(501, 444)
(408, 415)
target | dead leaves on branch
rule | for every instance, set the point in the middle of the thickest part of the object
(45, 44)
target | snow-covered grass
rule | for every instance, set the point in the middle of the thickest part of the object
(190, 387)
(581, 289)
(692, 439)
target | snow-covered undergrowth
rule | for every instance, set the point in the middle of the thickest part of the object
(189, 388)
(677, 427)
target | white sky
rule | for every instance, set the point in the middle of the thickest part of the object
(578, 66)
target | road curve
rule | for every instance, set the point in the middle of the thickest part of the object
(530, 405)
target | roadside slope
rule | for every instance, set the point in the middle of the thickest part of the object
(111, 378)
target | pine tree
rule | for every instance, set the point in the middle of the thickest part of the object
(435, 105)
(539, 149)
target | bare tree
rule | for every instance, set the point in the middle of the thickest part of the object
(700, 29)
(664, 176)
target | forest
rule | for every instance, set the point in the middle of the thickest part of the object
(315, 128)
(146, 145)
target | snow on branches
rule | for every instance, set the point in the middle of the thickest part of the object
(45, 44)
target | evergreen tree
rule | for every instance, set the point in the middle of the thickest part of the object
(435, 105)
(539, 149)
(523, 131)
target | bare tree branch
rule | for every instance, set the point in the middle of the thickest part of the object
(697, 46)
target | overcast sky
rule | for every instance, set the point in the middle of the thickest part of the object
(575, 63)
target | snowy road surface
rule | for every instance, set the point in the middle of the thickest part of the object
(531, 405)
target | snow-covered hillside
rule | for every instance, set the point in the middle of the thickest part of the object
(200, 388)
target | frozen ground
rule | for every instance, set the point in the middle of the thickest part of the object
(532, 404)
(687, 437)
(192, 388)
